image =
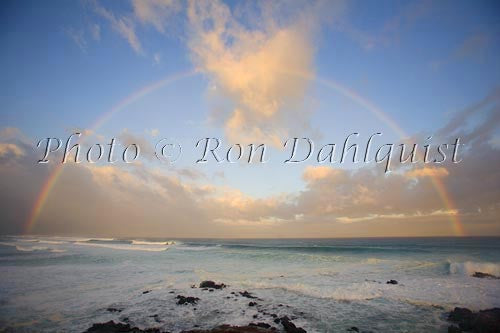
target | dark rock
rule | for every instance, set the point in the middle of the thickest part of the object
(252, 304)
(181, 300)
(482, 275)
(484, 321)
(212, 284)
(454, 329)
(146, 292)
(460, 314)
(114, 310)
(233, 329)
(353, 329)
(156, 318)
(290, 327)
(487, 321)
(112, 327)
(277, 320)
(392, 282)
(263, 325)
(247, 294)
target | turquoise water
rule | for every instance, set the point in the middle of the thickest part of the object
(57, 284)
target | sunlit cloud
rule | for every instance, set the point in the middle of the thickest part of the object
(10, 148)
(312, 173)
(252, 66)
(156, 12)
(427, 172)
(439, 212)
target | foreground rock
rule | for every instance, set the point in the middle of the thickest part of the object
(112, 327)
(234, 329)
(484, 321)
(212, 285)
(181, 300)
(392, 282)
(289, 326)
(482, 275)
(246, 294)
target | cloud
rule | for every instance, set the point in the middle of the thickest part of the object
(157, 58)
(159, 13)
(262, 67)
(95, 30)
(427, 172)
(78, 37)
(390, 32)
(136, 200)
(127, 138)
(154, 132)
(315, 173)
(10, 148)
(123, 25)
(9, 134)
(439, 212)
(474, 46)
(156, 12)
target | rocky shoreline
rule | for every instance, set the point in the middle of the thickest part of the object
(465, 320)
(461, 319)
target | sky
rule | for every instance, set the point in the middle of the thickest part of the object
(249, 72)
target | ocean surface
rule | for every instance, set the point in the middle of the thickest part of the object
(58, 284)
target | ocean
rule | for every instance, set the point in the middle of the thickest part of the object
(64, 284)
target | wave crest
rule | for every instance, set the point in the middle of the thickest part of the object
(471, 267)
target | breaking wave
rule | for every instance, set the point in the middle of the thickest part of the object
(471, 267)
(126, 247)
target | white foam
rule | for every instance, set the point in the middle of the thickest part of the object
(470, 267)
(196, 248)
(102, 239)
(354, 292)
(125, 247)
(43, 241)
(24, 248)
(30, 240)
(139, 242)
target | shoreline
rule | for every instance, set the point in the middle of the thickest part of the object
(459, 319)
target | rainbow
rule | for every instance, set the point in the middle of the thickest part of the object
(54, 175)
(437, 182)
(349, 93)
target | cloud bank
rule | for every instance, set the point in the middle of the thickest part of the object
(136, 200)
